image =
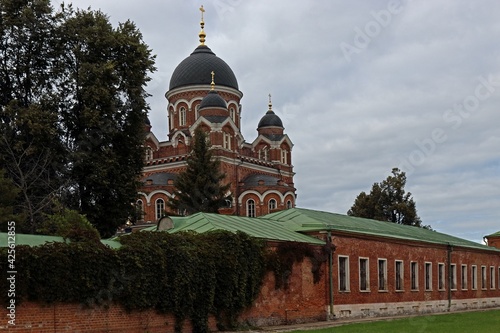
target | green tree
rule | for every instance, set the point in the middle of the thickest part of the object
(31, 151)
(7, 200)
(69, 224)
(72, 110)
(388, 201)
(199, 188)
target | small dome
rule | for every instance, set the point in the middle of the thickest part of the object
(213, 99)
(270, 119)
(196, 69)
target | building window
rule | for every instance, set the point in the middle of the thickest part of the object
(492, 277)
(149, 154)
(399, 275)
(441, 284)
(264, 154)
(272, 205)
(197, 111)
(382, 274)
(364, 275)
(414, 275)
(160, 208)
(453, 277)
(182, 116)
(463, 276)
(289, 204)
(343, 273)
(227, 141)
(483, 277)
(498, 275)
(171, 120)
(428, 276)
(232, 114)
(251, 208)
(474, 277)
(284, 156)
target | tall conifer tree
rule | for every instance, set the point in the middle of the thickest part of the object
(200, 187)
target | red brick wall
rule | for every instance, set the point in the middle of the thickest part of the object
(302, 301)
(374, 249)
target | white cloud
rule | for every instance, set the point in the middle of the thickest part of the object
(351, 122)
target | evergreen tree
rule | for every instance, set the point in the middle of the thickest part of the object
(72, 111)
(388, 201)
(199, 188)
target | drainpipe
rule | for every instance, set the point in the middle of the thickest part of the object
(330, 270)
(450, 249)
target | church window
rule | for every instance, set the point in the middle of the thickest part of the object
(171, 120)
(149, 154)
(272, 205)
(139, 207)
(160, 208)
(197, 111)
(182, 116)
(264, 154)
(227, 140)
(232, 114)
(289, 204)
(251, 208)
(284, 156)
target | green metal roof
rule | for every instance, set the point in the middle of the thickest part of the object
(496, 234)
(36, 240)
(303, 220)
(255, 227)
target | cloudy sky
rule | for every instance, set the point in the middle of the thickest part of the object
(361, 87)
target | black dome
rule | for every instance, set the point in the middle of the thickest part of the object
(213, 99)
(270, 119)
(197, 69)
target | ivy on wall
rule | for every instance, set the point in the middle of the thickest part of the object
(189, 275)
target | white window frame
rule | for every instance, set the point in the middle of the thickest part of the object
(182, 116)
(159, 208)
(441, 276)
(401, 281)
(382, 274)
(366, 274)
(492, 277)
(483, 278)
(227, 141)
(345, 287)
(428, 276)
(473, 273)
(463, 278)
(284, 156)
(453, 278)
(414, 285)
(250, 208)
(272, 204)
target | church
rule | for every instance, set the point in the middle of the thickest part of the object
(203, 92)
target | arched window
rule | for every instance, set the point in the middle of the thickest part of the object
(251, 208)
(149, 154)
(171, 120)
(284, 156)
(289, 204)
(227, 141)
(264, 154)
(160, 208)
(139, 209)
(197, 111)
(182, 116)
(232, 114)
(272, 205)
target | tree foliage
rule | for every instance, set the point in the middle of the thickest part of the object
(388, 201)
(72, 111)
(199, 188)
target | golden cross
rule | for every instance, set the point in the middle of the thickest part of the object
(213, 83)
(202, 10)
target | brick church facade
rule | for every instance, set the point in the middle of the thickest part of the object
(204, 92)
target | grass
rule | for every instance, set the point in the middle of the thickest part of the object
(464, 322)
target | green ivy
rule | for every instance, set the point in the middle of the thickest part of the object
(189, 275)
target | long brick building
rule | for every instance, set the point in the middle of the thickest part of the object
(204, 92)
